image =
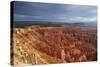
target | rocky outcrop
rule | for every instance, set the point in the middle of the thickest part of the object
(50, 45)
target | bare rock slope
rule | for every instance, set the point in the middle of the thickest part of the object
(50, 45)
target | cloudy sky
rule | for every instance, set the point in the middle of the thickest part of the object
(29, 11)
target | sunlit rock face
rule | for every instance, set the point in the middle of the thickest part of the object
(50, 45)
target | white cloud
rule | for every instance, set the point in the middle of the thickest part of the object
(37, 17)
(84, 19)
(93, 11)
(19, 15)
(27, 16)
